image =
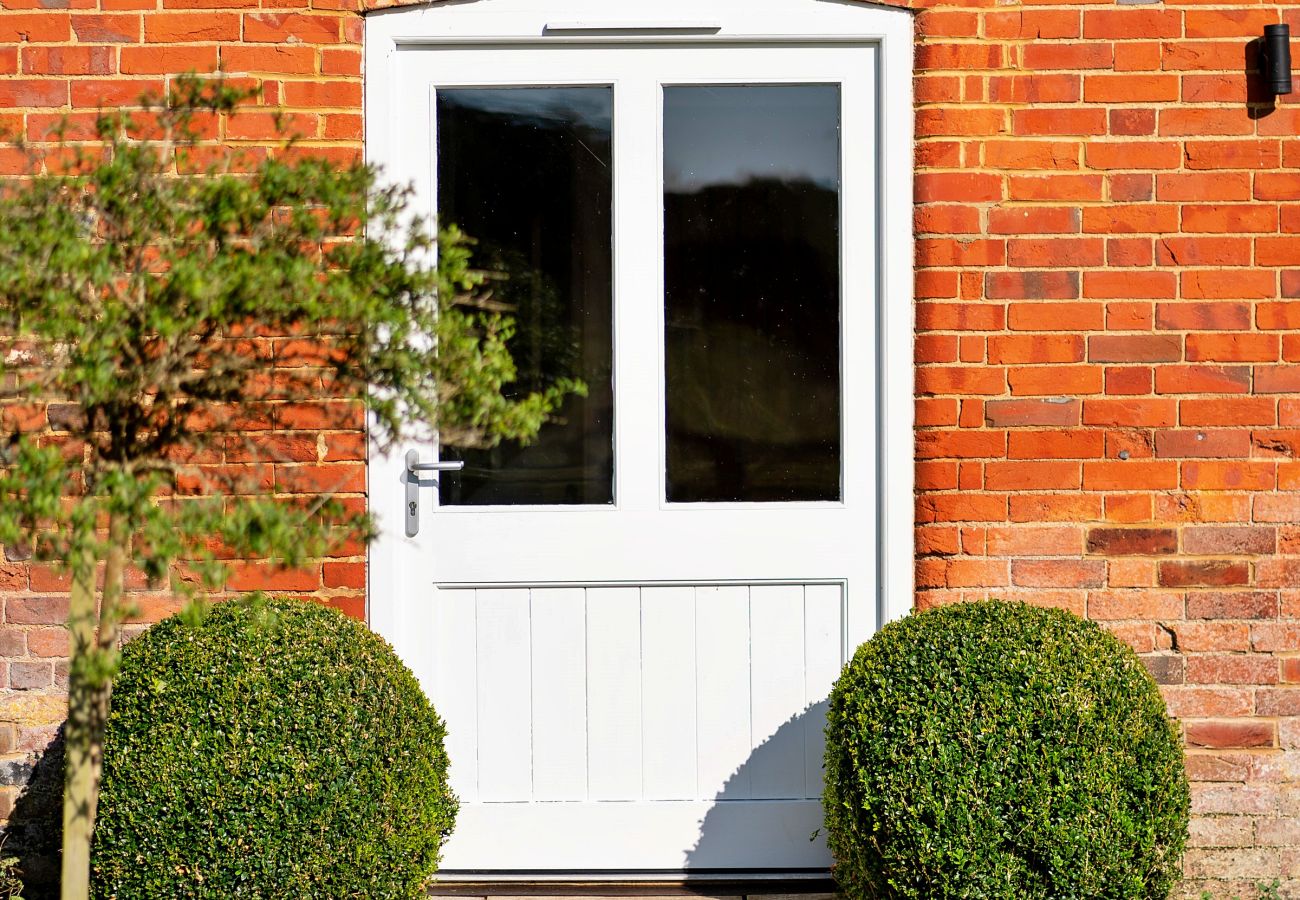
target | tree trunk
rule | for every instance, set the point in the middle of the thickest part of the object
(94, 640)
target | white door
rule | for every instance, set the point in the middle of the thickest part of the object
(631, 625)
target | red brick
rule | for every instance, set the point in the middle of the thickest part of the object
(35, 610)
(344, 574)
(1134, 604)
(1076, 573)
(1053, 188)
(1203, 250)
(275, 28)
(1203, 443)
(1134, 22)
(1132, 122)
(1205, 121)
(1232, 475)
(283, 59)
(1279, 572)
(1228, 411)
(1034, 220)
(1029, 154)
(254, 576)
(1200, 316)
(1276, 186)
(1201, 637)
(1057, 411)
(1037, 88)
(960, 380)
(1129, 285)
(68, 61)
(1130, 88)
(1277, 701)
(945, 121)
(1128, 380)
(1233, 669)
(1233, 154)
(1025, 475)
(1277, 316)
(107, 28)
(1037, 348)
(1135, 348)
(1225, 734)
(1276, 508)
(167, 59)
(963, 187)
(1196, 701)
(1132, 541)
(1058, 121)
(176, 28)
(1129, 475)
(960, 444)
(1222, 23)
(1136, 413)
(1139, 218)
(1055, 316)
(1203, 573)
(1277, 380)
(1233, 347)
(1035, 285)
(1144, 155)
(1232, 605)
(963, 507)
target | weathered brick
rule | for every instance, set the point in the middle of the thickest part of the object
(1203, 573)
(1132, 541)
(1222, 734)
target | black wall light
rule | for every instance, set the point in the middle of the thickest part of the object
(1275, 59)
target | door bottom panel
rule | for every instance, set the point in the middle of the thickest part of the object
(568, 836)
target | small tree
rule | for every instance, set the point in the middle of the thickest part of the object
(158, 298)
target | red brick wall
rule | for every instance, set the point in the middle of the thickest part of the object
(67, 58)
(1108, 283)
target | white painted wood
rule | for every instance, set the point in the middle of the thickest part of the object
(777, 677)
(559, 693)
(614, 694)
(668, 713)
(455, 687)
(611, 838)
(863, 543)
(504, 701)
(722, 689)
(823, 658)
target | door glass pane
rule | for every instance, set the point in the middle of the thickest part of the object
(527, 173)
(752, 292)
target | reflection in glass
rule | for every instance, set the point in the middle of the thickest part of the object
(526, 172)
(752, 292)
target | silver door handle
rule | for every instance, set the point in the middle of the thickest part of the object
(413, 468)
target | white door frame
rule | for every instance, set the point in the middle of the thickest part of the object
(401, 567)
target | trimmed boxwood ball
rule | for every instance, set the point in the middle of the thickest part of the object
(273, 749)
(996, 750)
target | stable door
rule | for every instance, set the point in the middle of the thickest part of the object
(631, 624)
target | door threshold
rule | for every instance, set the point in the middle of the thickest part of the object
(629, 884)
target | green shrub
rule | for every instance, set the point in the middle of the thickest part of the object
(271, 750)
(995, 750)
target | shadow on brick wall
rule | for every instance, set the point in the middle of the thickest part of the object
(35, 829)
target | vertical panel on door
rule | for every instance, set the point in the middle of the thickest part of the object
(504, 690)
(456, 693)
(559, 693)
(722, 689)
(656, 692)
(777, 675)
(668, 681)
(614, 738)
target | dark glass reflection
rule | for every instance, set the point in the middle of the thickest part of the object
(527, 172)
(752, 292)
